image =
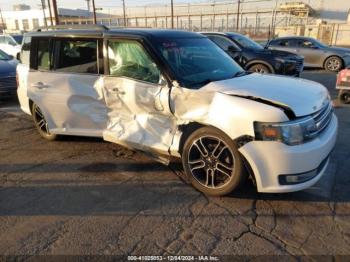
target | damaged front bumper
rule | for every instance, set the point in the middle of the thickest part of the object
(269, 160)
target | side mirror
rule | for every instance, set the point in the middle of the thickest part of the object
(11, 57)
(18, 56)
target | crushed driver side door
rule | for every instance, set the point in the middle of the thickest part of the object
(137, 99)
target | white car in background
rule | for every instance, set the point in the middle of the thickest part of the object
(177, 94)
(9, 45)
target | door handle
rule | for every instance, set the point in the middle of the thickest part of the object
(40, 85)
(116, 90)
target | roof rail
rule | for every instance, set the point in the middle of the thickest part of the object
(76, 27)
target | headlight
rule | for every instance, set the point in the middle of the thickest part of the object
(291, 133)
(281, 60)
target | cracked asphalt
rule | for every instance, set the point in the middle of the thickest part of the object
(83, 196)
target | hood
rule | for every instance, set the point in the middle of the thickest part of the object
(303, 97)
(8, 67)
(339, 49)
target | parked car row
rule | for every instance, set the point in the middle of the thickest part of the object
(177, 94)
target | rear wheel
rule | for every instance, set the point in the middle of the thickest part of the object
(333, 64)
(212, 162)
(41, 123)
(344, 97)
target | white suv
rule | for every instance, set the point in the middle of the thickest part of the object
(9, 45)
(176, 94)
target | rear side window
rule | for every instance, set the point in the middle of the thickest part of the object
(25, 53)
(222, 42)
(76, 56)
(43, 56)
(40, 53)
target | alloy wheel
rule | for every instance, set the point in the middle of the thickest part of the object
(333, 64)
(40, 120)
(211, 162)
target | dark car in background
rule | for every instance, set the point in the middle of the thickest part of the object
(253, 57)
(8, 85)
(315, 53)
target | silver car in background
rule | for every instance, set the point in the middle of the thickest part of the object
(315, 53)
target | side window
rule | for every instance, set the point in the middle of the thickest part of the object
(76, 56)
(25, 53)
(284, 43)
(130, 59)
(305, 43)
(222, 42)
(40, 53)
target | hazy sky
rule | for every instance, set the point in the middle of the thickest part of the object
(7, 5)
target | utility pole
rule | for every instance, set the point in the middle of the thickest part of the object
(49, 5)
(94, 11)
(238, 14)
(2, 22)
(88, 5)
(172, 14)
(55, 11)
(43, 7)
(124, 14)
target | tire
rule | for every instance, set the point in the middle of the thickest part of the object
(333, 64)
(41, 123)
(259, 68)
(344, 97)
(218, 168)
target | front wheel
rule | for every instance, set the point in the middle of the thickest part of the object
(212, 162)
(333, 64)
(259, 68)
(344, 97)
(41, 123)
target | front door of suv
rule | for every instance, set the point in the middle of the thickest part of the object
(137, 98)
(65, 83)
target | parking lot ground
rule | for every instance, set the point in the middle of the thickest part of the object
(83, 196)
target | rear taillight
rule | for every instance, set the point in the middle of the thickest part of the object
(343, 76)
(17, 80)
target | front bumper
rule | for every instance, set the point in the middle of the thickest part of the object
(268, 160)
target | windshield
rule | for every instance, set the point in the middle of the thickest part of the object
(245, 42)
(18, 38)
(197, 61)
(4, 56)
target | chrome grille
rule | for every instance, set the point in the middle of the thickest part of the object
(322, 119)
(8, 83)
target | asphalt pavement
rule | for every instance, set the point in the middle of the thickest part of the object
(84, 196)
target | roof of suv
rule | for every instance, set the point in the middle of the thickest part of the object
(133, 32)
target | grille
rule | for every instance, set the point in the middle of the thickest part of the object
(322, 119)
(299, 65)
(8, 83)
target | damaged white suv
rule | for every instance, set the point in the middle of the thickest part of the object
(176, 94)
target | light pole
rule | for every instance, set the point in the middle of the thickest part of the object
(94, 11)
(43, 7)
(172, 14)
(238, 13)
(50, 12)
(55, 11)
(124, 13)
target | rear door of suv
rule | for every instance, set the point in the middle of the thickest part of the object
(65, 82)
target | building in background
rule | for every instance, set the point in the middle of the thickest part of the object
(22, 19)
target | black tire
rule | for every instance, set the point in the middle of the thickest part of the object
(344, 96)
(333, 64)
(222, 155)
(259, 68)
(41, 124)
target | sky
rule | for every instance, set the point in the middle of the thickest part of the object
(7, 5)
